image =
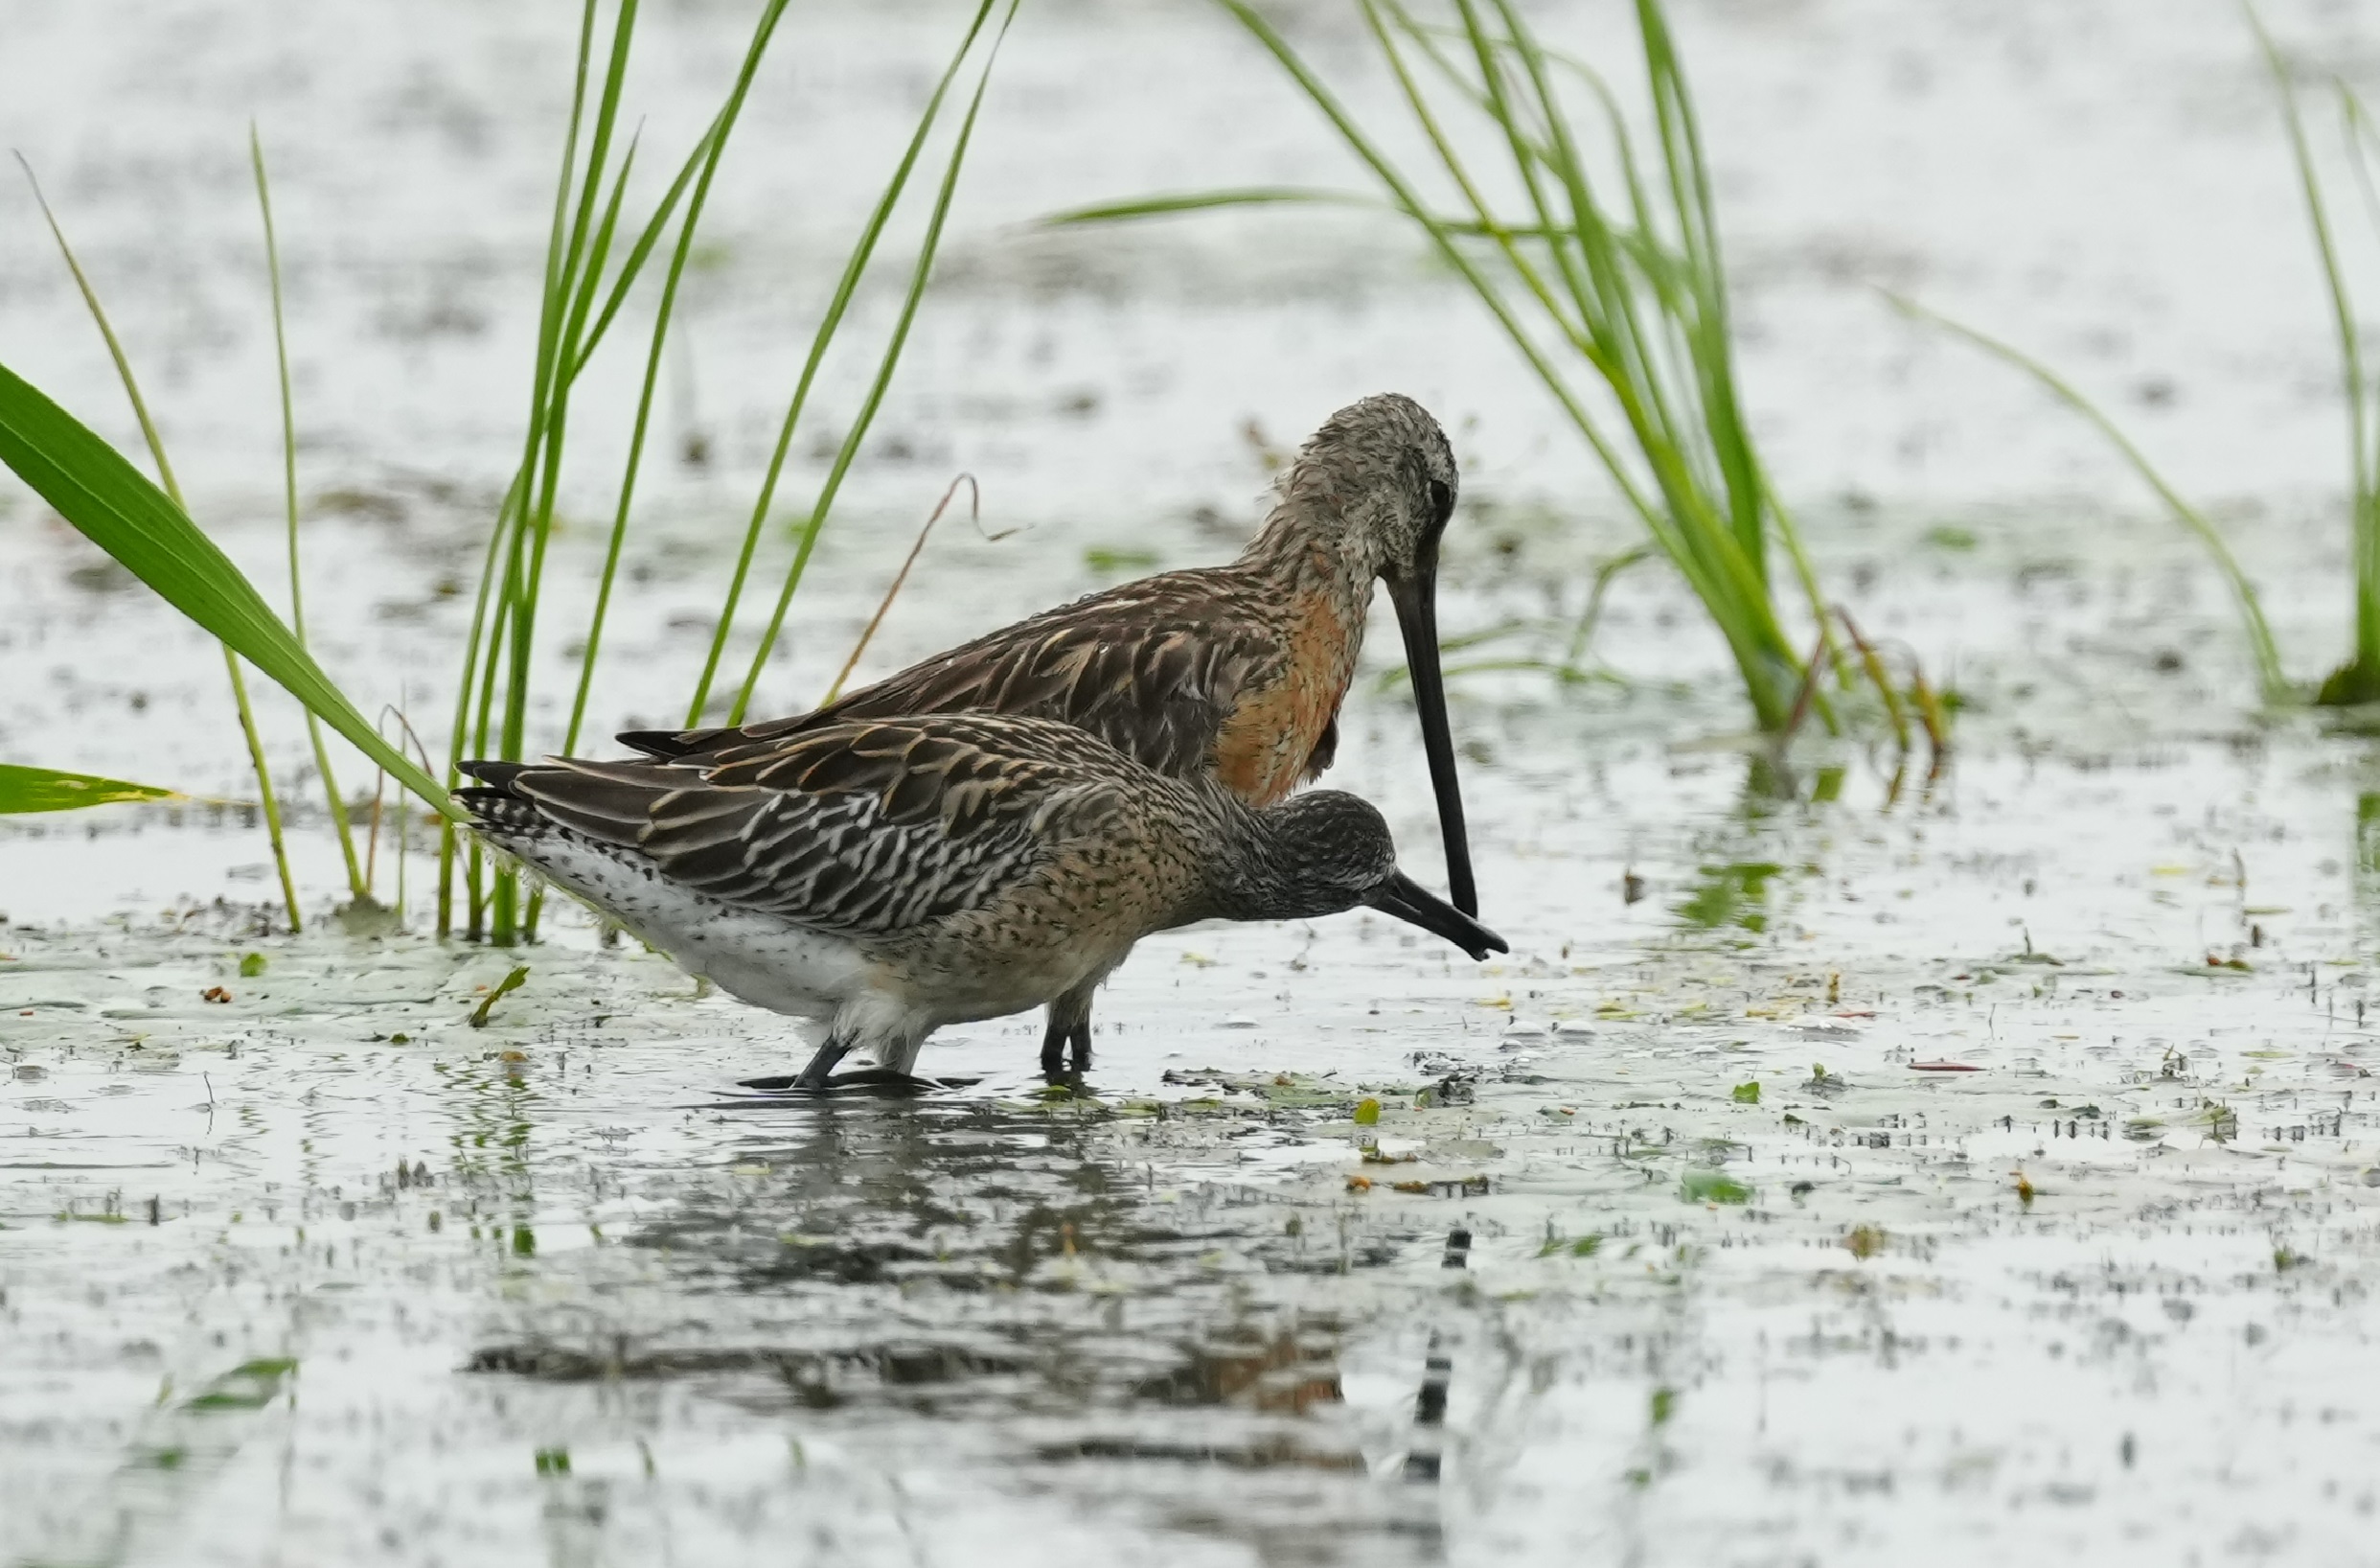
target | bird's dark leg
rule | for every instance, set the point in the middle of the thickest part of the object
(812, 1077)
(1068, 1034)
(1054, 1048)
(815, 1075)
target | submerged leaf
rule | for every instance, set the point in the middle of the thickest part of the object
(252, 1385)
(1714, 1186)
(502, 988)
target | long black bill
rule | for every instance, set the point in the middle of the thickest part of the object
(1412, 902)
(1416, 601)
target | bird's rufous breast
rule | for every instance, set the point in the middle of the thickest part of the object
(1262, 752)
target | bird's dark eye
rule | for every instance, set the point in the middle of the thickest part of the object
(1441, 505)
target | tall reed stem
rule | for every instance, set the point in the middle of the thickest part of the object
(358, 883)
(2357, 680)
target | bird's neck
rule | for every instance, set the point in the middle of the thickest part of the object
(1309, 546)
(1261, 879)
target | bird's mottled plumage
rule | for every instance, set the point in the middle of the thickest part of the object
(1153, 668)
(894, 875)
(1234, 673)
(1237, 671)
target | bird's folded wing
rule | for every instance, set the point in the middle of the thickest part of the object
(852, 828)
(1154, 669)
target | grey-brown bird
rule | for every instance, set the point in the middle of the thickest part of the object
(890, 876)
(1231, 672)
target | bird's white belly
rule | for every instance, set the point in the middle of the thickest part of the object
(755, 958)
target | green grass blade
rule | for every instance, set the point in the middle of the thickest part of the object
(1681, 155)
(1583, 634)
(1582, 334)
(89, 484)
(1669, 443)
(1408, 201)
(558, 413)
(561, 315)
(24, 790)
(854, 268)
(713, 148)
(484, 648)
(656, 224)
(929, 247)
(269, 802)
(1175, 203)
(2366, 665)
(357, 884)
(459, 737)
(1693, 516)
(1196, 202)
(1503, 111)
(2362, 139)
(2271, 678)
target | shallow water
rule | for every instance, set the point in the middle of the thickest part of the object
(2049, 1229)
(2066, 1248)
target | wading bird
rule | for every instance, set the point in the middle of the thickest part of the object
(1233, 673)
(890, 876)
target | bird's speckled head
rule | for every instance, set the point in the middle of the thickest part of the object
(1325, 851)
(1315, 853)
(1381, 469)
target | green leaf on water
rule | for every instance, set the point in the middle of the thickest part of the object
(502, 988)
(1119, 560)
(1714, 1186)
(89, 484)
(251, 965)
(24, 789)
(1664, 1405)
(1367, 1113)
(553, 1462)
(1746, 1094)
(252, 1385)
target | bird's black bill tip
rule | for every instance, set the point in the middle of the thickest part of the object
(1416, 601)
(1416, 905)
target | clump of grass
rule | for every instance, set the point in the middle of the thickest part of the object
(1609, 281)
(586, 284)
(493, 699)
